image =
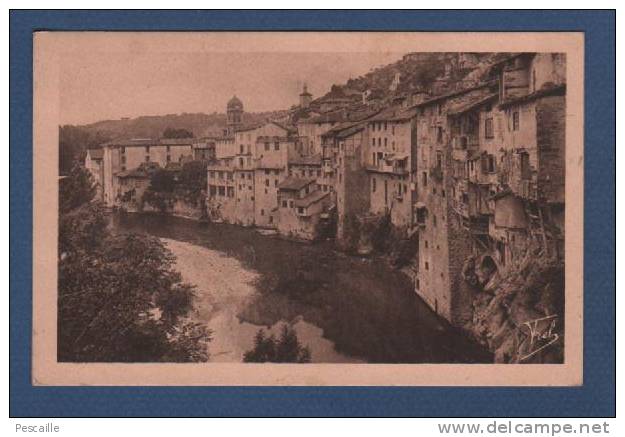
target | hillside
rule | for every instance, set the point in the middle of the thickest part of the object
(433, 72)
(153, 126)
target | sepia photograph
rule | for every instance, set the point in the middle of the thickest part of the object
(280, 207)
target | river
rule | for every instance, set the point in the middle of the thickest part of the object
(345, 309)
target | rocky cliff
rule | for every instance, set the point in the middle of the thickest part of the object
(518, 315)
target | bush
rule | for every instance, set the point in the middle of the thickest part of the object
(119, 297)
(286, 349)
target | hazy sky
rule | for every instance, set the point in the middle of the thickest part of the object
(104, 84)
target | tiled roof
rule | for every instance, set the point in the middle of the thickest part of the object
(436, 99)
(284, 126)
(394, 113)
(176, 141)
(142, 142)
(463, 107)
(330, 117)
(248, 127)
(293, 183)
(313, 197)
(556, 90)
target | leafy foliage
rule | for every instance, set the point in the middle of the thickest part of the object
(73, 144)
(162, 181)
(76, 189)
(177, 133)
(286, 349)
(120, 299)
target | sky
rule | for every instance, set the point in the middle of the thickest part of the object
(102, 84)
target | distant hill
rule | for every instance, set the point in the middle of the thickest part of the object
(75, 140)
(154, 125)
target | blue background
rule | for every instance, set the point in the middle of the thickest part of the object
(595, 398)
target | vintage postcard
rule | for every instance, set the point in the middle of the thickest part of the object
(308, 208)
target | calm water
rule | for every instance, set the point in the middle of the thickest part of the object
(344, 308)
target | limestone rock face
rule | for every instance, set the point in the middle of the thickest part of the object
(519, 314)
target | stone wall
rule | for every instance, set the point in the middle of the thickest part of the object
(550, 121)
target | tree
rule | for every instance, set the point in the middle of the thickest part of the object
(177, 133)
(286, 349)
(119, 297)
(193, 180)
(162, 181)
(76, 189)
(74, 142)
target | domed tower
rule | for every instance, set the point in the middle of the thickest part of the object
(234, 112)
(305, 98)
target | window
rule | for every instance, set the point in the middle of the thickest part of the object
(373, 142)
(439, 134)
(439, 160)
(425, 179)
(300, 210)
(385, 142)
(385, 126)
(266, 182)
(427, 266)
(488, 128)
(262, 212)
(284, 204)
(426, 244)
(434, 220)
(242, 149)
(276, 146)
(267, 146)
(515, 120)
(491, 164)
(373, 185)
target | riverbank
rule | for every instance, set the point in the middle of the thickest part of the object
(364, 309)
(225, 289)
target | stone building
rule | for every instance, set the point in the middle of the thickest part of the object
(351, 181)
(490, 179)
(94, 164)
(221, 202)
(234, 116)
(443, 242)
(204, 149)
(270, 169)
(389, 157)
(122, 155)
(305, 98)
(301, 206)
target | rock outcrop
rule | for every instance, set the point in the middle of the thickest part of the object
(518, 314)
